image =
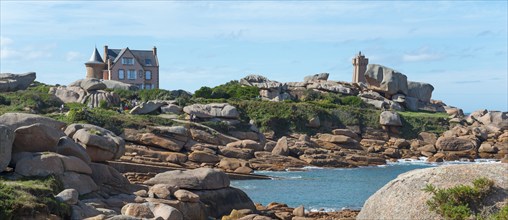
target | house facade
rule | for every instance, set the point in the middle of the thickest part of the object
(137, 67)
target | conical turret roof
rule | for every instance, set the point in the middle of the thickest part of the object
(96, 57)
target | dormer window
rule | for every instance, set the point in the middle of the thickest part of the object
(128, 61)
(148, 62)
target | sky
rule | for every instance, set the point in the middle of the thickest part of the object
(460, 47)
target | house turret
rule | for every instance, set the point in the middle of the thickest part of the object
(95, 66)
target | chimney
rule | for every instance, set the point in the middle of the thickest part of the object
(154, 51)
(106, 53)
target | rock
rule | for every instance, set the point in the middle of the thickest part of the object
(113, 84)
(299, 211)
(40, 164)
(419, 90)
(496, 119)
(330, 86)
(98, 98)
(345, 132)
(148, 107)
(101, 144)
(454, 144)
(68, 196)
(282, 147)
(427, 137)
(6, 140)
(137, 210)
(220, 202)
(386, 80)
(203, 157)
(337, 139)
(165, 212)
(92, 85)
(13, 82)
(428, 148)
(200, 178)
(314, 122)
(105, 175)
(229, 163)
(213, 110)
(68, 94)
(233, 152)
(36, 138)
(487, 148)
(171, 109)
(316, 77)
(243, 170)
(82, 210)
(186, 196)
(412, 103)
(16, 120)
(389, 118)
(399, 98)
(66, 146)
(249, 144)
(162, 142)
(162, 191)
(385, 203)
(82, 183)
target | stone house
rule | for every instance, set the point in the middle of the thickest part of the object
(359, 68)
(137, 67)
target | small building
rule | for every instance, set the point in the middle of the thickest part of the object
(137, 67)
(359, 68)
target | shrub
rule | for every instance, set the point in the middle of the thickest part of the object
(230, 90)
(459, 202)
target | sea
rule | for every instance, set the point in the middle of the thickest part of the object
(329, 189)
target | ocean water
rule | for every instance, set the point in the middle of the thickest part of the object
(330, 189)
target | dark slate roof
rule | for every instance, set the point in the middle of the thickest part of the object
(140, 55)
(96, 57)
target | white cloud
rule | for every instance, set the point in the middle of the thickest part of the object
(4, 41)
(422, 54)
(73, 56)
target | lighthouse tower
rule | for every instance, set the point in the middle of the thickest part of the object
(359, 68)
(95, 66)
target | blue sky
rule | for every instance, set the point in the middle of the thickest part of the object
(459, 47)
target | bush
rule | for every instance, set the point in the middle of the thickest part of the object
(230, 90)
(459, 202)
(415, 122)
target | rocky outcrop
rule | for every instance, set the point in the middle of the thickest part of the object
(16, 120)
(13, 82)
(92, 85)
(96, 98)
(316, 77)
(419, 90)
(386, 80)
(148, 107)
(101, 144)
(6, 140)
(269, 90)
(113, 84)
(36, 138)
(386, 202)
(68, 94)
(214, 110)
(389, 118)
(197, 179)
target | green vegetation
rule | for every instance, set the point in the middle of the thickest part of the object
(34, 99)
(109, 119)
(151, 94)
(284, 117)
(462, 202)
(328, 100)
(415, 122)
(230, 90)
(31, 197)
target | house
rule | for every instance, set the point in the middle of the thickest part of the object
(137, 67)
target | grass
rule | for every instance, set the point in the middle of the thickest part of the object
(463, 201)
(415, 122)
(28, 197)
(34, 99)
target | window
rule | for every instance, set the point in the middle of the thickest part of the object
(140, 86)
(148, 86)
(121, 74)
(148, 62)
(128, 61)
(131, 74)
(148, 75)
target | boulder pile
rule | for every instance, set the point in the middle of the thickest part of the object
(13, 82)
(87, 91)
